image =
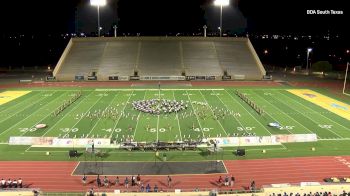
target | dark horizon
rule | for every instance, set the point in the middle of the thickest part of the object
(156, 17)
(43, 22)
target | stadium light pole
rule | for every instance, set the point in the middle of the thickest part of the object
(115, 30)
(221, 3)
(98, 3)
(307, 59)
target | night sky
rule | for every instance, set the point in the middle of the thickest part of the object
(159, 17)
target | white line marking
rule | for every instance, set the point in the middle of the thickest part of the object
(233, 115)
(82, 116)
(138, 117)
(249, 113)
(213, 112)
(296, 101)
(101, 118)
(23, 109)
(121, 113)
(66, 114)
(195, 113)
(26, 117)
(178, 122)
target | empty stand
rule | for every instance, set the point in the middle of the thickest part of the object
(159, 56)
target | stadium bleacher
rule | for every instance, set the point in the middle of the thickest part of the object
(159, 56)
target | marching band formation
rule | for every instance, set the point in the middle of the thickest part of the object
(158, 106)
(67, 103)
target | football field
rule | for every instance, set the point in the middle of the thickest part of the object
(109, 113)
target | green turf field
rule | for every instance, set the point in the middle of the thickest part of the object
(210, 113)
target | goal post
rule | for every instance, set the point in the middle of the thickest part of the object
(346, 87)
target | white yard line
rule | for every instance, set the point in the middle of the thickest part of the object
(65, 116)
(239, 122)
(286, 114)
(195, 113)
(311, 118)
(158, 128)
(49, 113)
(138, 117)
(82, 116)
(295, 120)
(24, 118)
(335, 139)
(310, 109)
(248, 112)
(121, 113)
(178, 122)
(213, 112)
(15, 105)
(33, 103)
(158, 117)
(101, 118)
(156, 89)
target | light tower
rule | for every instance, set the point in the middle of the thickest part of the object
(98, 3)
(115, 30)
(221, 3)
(205, 30)
(307, 59)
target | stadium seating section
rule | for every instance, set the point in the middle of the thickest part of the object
(159, 56)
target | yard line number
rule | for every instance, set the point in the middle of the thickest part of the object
(245, 128)
(325, 126)
(205, 129)
(110, 130)
(67, 130)
(24, 130)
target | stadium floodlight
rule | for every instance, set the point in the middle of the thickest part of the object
(98, 3)
(115, 30)
(221, 3)
(307, 59)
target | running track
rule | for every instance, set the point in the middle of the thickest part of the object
(56, 176)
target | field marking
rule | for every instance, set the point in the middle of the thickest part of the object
(63, 117)
(320, 113)
(288, 117)
(177, 118)
(308, 117)
(25, 118)
(122, 112)
(335, 139)
(8, 96)
(316, 112)
(46, 115)
(23, 109)
(138, 117)
(158, 117)
(328, 103)
(23, 102)
(248, 112)
(158, 128)
(27, 149)
(239, 122)
(82, 116)
(195, 113)
(304, 116)
(269, 149)
(284, 146)
(213, 112)
(157, 89)
(152, 152)
(101, 118)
